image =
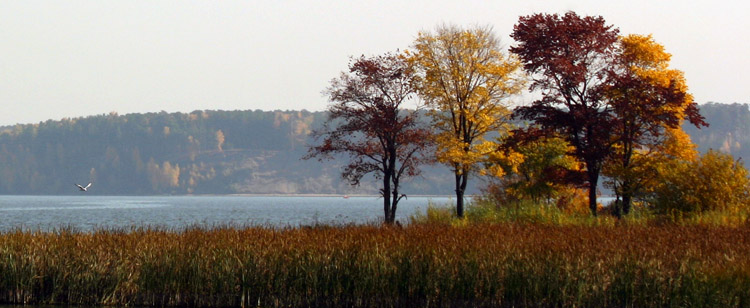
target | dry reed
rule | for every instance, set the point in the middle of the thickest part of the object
(506, 264)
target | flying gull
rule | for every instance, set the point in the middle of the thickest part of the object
(82, 188)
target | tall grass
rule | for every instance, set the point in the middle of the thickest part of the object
(487, 211)
(508, 264)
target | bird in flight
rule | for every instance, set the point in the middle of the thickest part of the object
(83, 188)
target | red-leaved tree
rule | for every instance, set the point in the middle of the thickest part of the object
(567, 57)
(368, 122)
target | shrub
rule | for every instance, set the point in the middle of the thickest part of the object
(714, 182)
(436, 214)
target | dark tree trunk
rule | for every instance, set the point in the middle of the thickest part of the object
(387, 199)
(390, 178)
(394, 201)
(627, 184)
(627, 200)
(460, 190)
(593, 177)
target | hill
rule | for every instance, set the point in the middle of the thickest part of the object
(227, 152)
(202, 152)
(729, 129)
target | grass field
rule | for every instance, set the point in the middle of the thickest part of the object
(506, 264)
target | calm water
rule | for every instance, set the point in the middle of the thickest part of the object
(87, 213)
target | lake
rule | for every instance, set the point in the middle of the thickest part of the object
(87, 213)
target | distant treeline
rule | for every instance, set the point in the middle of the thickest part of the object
(729, 129)
(202, 152)
(226, 152)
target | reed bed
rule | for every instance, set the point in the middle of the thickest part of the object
(434, 265)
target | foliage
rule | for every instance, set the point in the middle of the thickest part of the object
(368, 122)
(466, 78)
(649, 100)
(714, 182)
(675, 147)
(568, 57)
(537, 175)
(476, 265)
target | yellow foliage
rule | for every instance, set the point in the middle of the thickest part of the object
(466, 79)
(532, 171)
(678, 145)
(165, 175)
(220, 140)
(647, 60)
(572, 200)
(637, 157)
(713, 182)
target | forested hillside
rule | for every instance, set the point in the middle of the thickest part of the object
(203, 152)
(729, 129)
(226, 152)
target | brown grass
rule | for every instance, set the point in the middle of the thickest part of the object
(427, 265)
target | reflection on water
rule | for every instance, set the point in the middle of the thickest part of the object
(87, 213)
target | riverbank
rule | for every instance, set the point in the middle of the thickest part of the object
(372, 266)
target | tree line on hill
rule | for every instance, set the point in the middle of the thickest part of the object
(181, 153)
(202, 152)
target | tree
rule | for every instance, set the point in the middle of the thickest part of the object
(568, 57)
(465, 79)
(220, 140)
(367, 122)
(714, 182)
(648, 99)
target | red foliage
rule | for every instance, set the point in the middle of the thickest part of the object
(568, 57)
(368, 123)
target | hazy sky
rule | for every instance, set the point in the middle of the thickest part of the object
(78, 58)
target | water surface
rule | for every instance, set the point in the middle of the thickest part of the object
(86, 212)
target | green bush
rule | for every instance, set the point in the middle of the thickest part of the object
(483, 210)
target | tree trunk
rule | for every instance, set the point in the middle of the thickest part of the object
(617, 206)
(593, 175)
(627, 184)
(387, 198)
(390, 178)
(394, 201)
(627, 200)
(460, 189)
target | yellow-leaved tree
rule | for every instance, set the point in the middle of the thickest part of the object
(650, 102)
(466, 78)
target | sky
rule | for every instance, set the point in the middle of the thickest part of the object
(68, 59)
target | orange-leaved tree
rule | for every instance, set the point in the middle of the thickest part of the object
(368, 121)
(466, 79)
(650, 102)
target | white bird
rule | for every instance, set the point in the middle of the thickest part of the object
(82, 188)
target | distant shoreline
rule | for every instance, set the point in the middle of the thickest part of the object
(240, 195)
(325, 195)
